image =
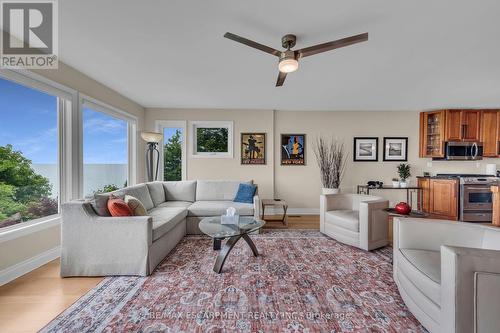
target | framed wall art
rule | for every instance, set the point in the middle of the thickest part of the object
(365, 149)
(396, 149)
(253, 148)
(293, 149)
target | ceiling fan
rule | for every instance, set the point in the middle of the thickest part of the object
(289, 59)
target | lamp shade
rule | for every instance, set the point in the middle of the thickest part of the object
(288, 65)
(151, 136)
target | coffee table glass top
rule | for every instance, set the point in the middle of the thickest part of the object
(212, 227)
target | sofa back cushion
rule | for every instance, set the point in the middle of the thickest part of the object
(157, 192)
(140, 191)
(213, 190)
(184, 190)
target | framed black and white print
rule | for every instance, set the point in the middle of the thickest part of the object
(396, 149)
(365, 149)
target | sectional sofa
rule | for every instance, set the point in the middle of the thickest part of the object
(94, 245)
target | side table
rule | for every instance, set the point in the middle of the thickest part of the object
(275, 203)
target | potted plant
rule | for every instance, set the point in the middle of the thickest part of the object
(395, 182)
(331, 158)
(404, 174)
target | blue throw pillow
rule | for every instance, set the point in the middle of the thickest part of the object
(245, 193)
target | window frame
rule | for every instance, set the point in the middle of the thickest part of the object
(96, 105)
(193, 125)
(67, 103)
(160, 125)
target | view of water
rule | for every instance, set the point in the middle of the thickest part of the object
(95, 176)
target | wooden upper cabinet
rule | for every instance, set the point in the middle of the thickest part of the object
(443, 198)
(432, 129)
(463, 125)
(489, 132)
(438, 127)
(471, 122)
(454, 128)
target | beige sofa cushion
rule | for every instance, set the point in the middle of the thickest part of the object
(140, 191)
(180, 191)
(157, 192)
(165, 219)
(175, 204)
(424, 268)
(217, 208)
(347, 219)
(212, 190)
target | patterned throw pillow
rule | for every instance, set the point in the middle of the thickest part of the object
(118, 207)
(136, 206)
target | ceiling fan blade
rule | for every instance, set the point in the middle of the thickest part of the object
(309, 51)
(281, 79)
(253, 44)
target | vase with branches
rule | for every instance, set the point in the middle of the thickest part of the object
(331, 158)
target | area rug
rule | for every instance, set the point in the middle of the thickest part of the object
(301, 282)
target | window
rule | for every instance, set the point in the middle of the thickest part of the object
(106, 149)
(29, 154)
(212, 139)
(173, 164)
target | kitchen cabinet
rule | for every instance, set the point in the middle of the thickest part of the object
(443, 198)
(453, 125)
(441, 126)
(463, 125)
(432, 130)
(489, 132)
(424, 183)
(440, 197)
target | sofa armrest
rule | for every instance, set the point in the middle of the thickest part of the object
(256, 207)
(470, 289)
(97, 245)
(373, 223)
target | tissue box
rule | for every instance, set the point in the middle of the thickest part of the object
(225, 219)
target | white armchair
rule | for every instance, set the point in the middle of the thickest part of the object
(353, 219)
(448, 274)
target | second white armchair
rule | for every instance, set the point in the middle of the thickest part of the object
(354, 219)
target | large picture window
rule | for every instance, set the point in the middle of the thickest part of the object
(106, 149)
(29, 154)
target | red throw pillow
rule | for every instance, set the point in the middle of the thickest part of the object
(118, 207)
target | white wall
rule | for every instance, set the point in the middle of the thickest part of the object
(300, 185)
(223, 168)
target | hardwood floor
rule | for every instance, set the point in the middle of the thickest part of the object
(30, 302)
(294, 222)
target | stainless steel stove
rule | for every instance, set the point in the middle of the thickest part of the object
(476, 198)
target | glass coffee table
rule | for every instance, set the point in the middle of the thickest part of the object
(212, 227)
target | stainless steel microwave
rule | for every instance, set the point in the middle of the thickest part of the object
(463, 150)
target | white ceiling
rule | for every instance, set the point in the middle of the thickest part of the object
(420, 54)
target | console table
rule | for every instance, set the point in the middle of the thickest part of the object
(365, 189)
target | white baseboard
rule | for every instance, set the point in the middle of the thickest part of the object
(292, 211)
(13, 272)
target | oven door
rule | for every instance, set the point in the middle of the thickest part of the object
(477, 197)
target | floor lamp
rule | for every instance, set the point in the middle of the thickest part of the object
(152, 140)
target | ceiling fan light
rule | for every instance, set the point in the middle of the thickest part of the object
(288, 65)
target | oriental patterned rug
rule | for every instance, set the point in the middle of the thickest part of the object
(301, 282)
